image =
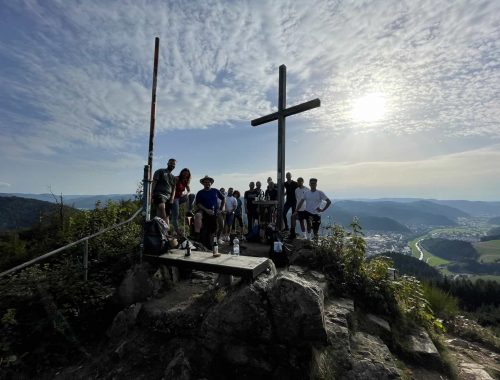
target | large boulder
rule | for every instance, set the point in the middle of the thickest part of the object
(420, 346)
(297, 310)
(123, 322)
(138, 285)
(371, 359)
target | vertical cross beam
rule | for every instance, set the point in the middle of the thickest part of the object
(281, 144)
(282, 113)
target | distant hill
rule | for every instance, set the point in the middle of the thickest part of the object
(19, 213)
(77, 201)
(473, 208)
(412, 266)
(455, 250)
(406, 213)
(493, 234)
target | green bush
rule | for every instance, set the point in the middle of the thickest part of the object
(341, 257)
(442, 303)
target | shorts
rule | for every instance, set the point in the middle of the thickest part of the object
(162, 198)
(229, 219)
(303, 215)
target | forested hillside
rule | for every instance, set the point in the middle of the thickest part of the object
(20, 213)
(412, 266)
(455, 250)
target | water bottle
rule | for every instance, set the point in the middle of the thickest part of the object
(215, 247)
(236, 247)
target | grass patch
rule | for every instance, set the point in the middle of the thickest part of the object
(489, 251)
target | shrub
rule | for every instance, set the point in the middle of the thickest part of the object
(442, 303)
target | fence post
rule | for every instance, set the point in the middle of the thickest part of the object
(85, 260)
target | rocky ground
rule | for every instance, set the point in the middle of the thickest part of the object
(283, 326)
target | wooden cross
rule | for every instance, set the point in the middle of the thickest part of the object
(282, 113)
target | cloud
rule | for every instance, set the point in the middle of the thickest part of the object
(87, 67)
(4, 184)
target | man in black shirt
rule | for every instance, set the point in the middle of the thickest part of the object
(291, 201)
(163, 189)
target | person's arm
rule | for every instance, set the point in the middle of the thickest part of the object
(172, 192)
(301, 202)
(328, 203)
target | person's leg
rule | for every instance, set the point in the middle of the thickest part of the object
(161, 211)
(190, 198)
(286, 208)
(316, 222)
(198, 220)
(175, 214)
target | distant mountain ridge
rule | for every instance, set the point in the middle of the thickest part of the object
(19, 213)
(403, 213)
(76, 201)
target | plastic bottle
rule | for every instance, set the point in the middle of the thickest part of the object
(236, 246)
(215, 247)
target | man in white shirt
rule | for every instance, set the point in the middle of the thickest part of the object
(231, 204)
(312, 200)
(299, 195)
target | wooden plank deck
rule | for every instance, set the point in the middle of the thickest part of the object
(242, 266)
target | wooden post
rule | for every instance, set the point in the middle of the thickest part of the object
(146, 192)
(153, 104)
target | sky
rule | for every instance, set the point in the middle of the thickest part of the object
(409, 90)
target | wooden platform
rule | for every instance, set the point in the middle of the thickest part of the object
(246, 267)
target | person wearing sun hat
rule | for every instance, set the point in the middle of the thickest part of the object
(208, 207)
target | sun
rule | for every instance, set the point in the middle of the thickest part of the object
(369, 108)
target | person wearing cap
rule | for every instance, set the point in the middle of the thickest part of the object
(207, 203)
(312, 200)
(163, 189)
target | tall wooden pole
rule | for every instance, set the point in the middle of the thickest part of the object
(152, 128)
(281, 144)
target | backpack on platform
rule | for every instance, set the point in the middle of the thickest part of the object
(155, 236)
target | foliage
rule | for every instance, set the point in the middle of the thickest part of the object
(473, 331)
(444, 305)
(48, 312)
(341, 257)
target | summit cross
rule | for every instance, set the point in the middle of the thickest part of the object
(282, 113)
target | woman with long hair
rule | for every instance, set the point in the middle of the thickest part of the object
(182, 194)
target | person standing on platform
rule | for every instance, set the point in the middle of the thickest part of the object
(299, 212)
(208, 205)
(249, 198)
(231, 205)
(313, 210)
(163, 189)
(182, 194)
(238, 212)
(291, 201)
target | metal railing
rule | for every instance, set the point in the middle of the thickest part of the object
(84, 240)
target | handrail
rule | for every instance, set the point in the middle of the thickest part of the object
(51, 253)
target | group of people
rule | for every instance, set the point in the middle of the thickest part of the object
(218, 213)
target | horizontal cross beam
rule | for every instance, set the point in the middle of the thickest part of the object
(287, 112)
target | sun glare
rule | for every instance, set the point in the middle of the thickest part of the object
(369, 108)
